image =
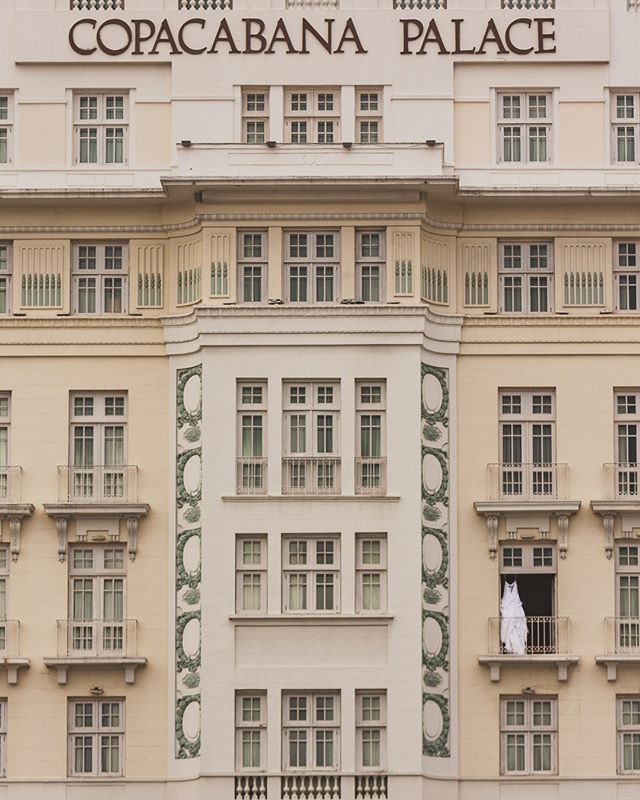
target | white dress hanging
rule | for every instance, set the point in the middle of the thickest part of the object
(513, 621)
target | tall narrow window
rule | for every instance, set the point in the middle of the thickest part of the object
(311, 461)
(252, 416)
(251, 731)
(371, 573)
(626, 270)
(369, 115)
(529, 744)
(526, 277)
(5, 427)
(255, 115)
(310, 731)
(311, 266)
(527, 427)
(625, 125)
(524, 127)
(98, 451)
(97, 578)
(252, 266)
(101, 127)
(627, 633)
(311, 573)
(6, 269)
(370, 423)
(96, 737)
(312, 116)
(6, 128)
(4, 585)
(628, 724)
(100, 278)
(371, 719)
(251, 574)
(627, 424)
(370, 263)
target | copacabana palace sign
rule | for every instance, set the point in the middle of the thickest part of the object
(522, 36)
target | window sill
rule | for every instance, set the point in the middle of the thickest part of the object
(294, 620)
(323, 498)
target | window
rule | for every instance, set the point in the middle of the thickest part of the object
(370, 449)
(627, 598)
(3, 736)
(311, 460)
(370, 262)
(311, 573)
(625, 273)
(251, 574)
(252, 266)
(96, 737)
(527, 426)
(529, 742)
(101, 128)
(628, 718)
(369, 115)
(251, 731)
(6, 128)
(371, 720)
(311, 731)
(100, 278)
(524, 128)
(311, 266)
(526, 277)
(626, 423)
(97, 576)
(255, 116)
(625, 125)
(312, 116)
(371, 573)
(5, 427)
(252, 416)
(98, 446)
(6, 268)
(4, 583)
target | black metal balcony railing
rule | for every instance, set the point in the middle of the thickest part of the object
(545, 635)
(527, 481)
(98, 484)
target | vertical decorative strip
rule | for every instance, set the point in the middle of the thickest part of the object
(435, 563)
(188, 559)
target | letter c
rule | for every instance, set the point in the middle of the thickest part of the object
(81, 50)
(185, 47)
(119, 23)
(507, 35)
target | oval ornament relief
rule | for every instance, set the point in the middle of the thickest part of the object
(431, 393)
(432, 719)
(192, 474)
(192, 394)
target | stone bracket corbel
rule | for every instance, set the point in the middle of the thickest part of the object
(15, 513)
(492, 528)
(62, 524)
(132, 536)
(563, 537)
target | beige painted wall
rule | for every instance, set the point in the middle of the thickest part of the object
(153, 134)
(581, 134)
(32, 148)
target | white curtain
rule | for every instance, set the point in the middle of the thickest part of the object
(513, 622)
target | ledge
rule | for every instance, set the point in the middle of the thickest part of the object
(290, 620)
(13, 665)
(306, 498)
(62, 665)
(527, 506)
(562, 662)
(612, 662)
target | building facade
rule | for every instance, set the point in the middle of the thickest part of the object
(319, 332)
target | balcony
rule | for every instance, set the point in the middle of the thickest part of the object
(371, 476)
(251, 476)
(622, 500)
(527, 496)
(96, 644)
(11, 507)
(547, 643)
(623, 644)
(10, 480)
(100, 491)
(311, 475)
(10, 659)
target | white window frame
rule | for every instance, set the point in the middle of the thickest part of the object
(521, 259)
(95, 732)
(627, 704)
(99, 420)
(5, 432)
(252, 255)
(313, 113)
(625, 117)
(97, 116)
(528, 731)
(370, 255)
(6, 274)
(104, 256)
(369, 110)
(3, 736)
(626, 275)
(311, 569)
(525, 122)
(7, 117)
(371, 722)
(248, 705)
(527, 413)
(312, 261)
(367, 567)
(526, 557)
(91, 568)
(255, 111)
(249, 547)
(308, 403)
(627, 567)
(251, 405)
(311, 725)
